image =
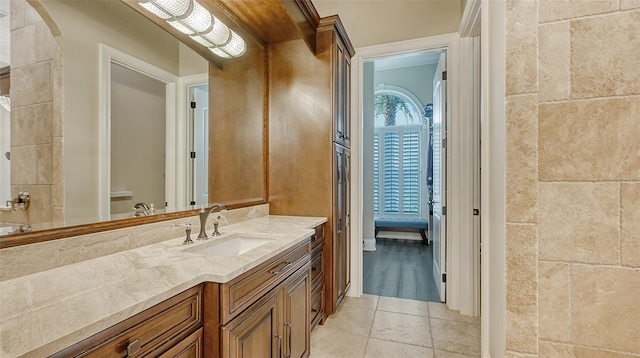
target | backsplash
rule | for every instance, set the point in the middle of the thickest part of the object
(27, 259)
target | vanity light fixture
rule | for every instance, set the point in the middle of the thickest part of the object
(193, 20)
(5, 102)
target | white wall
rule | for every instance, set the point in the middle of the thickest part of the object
(368, 232)
(417, 80)
(379, 22)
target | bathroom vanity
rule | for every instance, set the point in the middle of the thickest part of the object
(201, 304)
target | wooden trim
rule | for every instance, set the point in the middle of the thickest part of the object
(265, 127)
(211, 313)
(69, 231)
(306, 19)
(333, 23)
(310, 13)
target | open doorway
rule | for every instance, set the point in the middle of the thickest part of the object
(461, 266)
(400, 261)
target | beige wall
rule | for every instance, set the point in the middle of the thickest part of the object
(36, 131)
(377, 22)
(573, 178)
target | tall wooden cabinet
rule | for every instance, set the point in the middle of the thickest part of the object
(310, 139)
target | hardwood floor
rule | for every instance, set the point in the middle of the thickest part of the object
(400, 268)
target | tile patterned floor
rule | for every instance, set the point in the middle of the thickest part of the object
(377, 326)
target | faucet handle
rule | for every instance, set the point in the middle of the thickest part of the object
(187, 230)
(23, 200)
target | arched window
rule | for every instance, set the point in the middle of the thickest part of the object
(399, 155)
(396, 106)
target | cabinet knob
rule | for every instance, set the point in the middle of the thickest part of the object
(315, 269)
(133, 347)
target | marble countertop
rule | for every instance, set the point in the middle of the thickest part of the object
(45, 312)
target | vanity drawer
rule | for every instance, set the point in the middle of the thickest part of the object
(148, 333)
(317, 268)
(318, 238)
(244, 290)
(317, 305)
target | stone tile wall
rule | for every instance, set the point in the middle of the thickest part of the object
(573, 178)
(36, 118)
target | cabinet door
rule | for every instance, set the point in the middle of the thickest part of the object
(342, 77)
(346, 235)
(256, 332)
(297, 321)
(338, 224)
(190, 347)
(346, 95)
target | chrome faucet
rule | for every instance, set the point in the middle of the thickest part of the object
(204, 214)
(21, 201)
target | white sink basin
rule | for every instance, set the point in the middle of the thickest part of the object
(230, 246)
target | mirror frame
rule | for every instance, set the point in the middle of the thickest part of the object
(44, 235)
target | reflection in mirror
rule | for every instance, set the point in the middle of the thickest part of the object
(65, 116)
(137, 140)
(5, 105)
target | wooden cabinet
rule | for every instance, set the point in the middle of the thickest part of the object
(190, 347)
(297, 323)
(318, 264)
(308, 121)
(342, 79)
(342, 217)
(266, 312)
(167, 327)
(256, 332)
(277, 325)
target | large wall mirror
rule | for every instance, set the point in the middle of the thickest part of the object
(108, 110)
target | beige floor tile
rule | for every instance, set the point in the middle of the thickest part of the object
(455, 336)
(440, 310)
(330, 343)
(445, 354)
(354, 320)
(401, 305)
(365, 301)
(401, 328)
(377, 348)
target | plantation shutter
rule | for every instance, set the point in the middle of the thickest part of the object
(376, 172)
(399, 168)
